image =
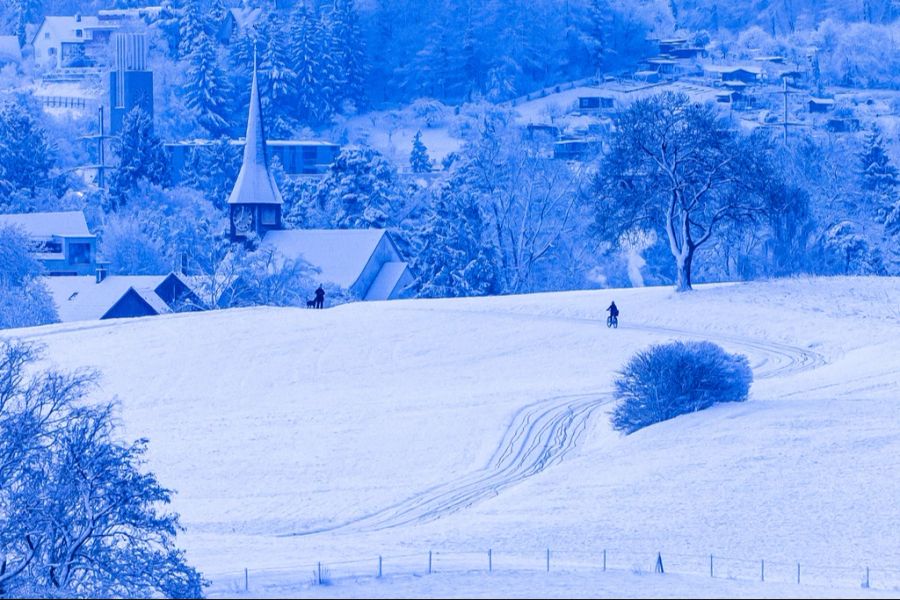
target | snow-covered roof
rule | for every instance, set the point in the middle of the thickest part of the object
(151, 12)
(340, 254)
(81, 298)
(386, 281)
(828, 101)
(732, 69)
(246, 17)
(9, 49)
(48, 224)
(62, 29)
(255, 183)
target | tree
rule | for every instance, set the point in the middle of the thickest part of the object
(347, 47)
(26, 156)
(418, 159)
(672, 167)
(191, 26)
(360, 190)
(677, 378)
(141, 155)
(24, 299)
(454, 255)
(278, 80)
(313, 91)
(207, 90)
(78, 514)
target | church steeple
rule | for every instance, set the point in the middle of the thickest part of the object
(255, 202)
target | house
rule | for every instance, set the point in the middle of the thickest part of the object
(10, 52)
(237, 22)
(76, 41)
(365, 262)
(845, 125)
(732, 73)
(89, 298)
(59, 240)
(580, 149)
(820, 105)
(594, 104)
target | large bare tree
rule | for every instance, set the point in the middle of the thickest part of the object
(672, 167)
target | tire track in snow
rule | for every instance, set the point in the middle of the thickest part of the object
(542, 434)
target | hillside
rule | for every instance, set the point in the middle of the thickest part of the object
(297, 436)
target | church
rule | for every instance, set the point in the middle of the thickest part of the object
(364, 262)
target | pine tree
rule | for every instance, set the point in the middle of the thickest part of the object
(347, 46)
(141, 155)
(277, 77)
(207, 91)
(26, 155)
(312, 92)
(191, 25)
(418, 159)
(360, 190)
(876, 171)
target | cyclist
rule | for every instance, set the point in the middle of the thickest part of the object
(613, 311)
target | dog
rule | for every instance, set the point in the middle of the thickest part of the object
(310, 304)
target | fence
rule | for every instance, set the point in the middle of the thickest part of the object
(66, 102)
(580, 561)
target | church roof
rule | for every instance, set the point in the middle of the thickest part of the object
(341, 255)
(255, 184)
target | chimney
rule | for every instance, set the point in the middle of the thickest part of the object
(184, 263)
(78, 18)
(101, 273)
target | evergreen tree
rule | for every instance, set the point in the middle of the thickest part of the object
(313, 94)
(455, 256)
(418, 159)
(207, 90)
(360, 190)
(876, 171)
(277, 78)
(26, 156)
(191, 25)
(347, 47)
(141, 155)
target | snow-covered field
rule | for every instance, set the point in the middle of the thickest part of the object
(296, 436)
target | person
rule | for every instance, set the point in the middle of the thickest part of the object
(613, 310)
(320, 297)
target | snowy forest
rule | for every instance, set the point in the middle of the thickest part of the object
(491, 213)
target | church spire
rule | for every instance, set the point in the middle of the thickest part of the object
(255, 184)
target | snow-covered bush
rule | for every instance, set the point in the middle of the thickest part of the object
(24, 300)
(672, 379)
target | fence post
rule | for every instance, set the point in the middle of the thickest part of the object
(604, 560)
(246, 580)
(798, 573)
(490, 561)
(548, 560)
(711, 565)
(762, 570)
(659, 563)
(319, 573)
(379, 566)
(429, 562)
(867, 577)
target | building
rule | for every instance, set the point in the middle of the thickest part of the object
(297, 157)
(820, 105)
(71, 42)
(732, 73)
(365, 262)
(594, 104)
(10, 52)
(59, 240)
(130, 81)
(89, 298)
(580, 149)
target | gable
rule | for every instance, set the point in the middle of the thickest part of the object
(131, 304)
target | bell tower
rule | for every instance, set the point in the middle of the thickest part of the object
(255, 203)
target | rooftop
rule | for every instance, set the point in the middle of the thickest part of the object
(49, 224)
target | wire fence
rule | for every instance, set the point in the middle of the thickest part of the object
(326, 572)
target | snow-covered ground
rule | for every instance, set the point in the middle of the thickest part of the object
(296, 436)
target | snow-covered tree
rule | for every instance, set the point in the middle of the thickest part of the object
(141, 155)
(191, 26)
(672, 168)
(361, 190)
(26, 155)
(418, 158)
(24, 300)
(314, 94)
(346, 45)
(278, 81)
(207, 90)
(79, 515)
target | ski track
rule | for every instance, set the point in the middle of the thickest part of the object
(544, 433)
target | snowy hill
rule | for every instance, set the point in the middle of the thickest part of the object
(294, 436)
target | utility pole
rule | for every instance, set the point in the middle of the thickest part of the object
(101, 167)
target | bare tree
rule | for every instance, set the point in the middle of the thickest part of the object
(672, 167)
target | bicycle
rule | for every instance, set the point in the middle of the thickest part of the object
(612, 321)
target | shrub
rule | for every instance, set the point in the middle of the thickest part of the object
(672, 379)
